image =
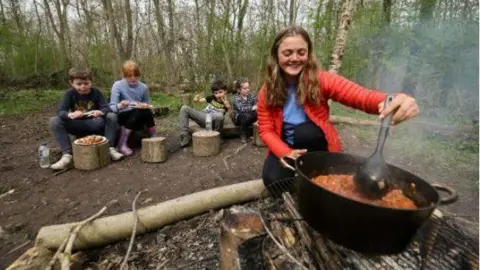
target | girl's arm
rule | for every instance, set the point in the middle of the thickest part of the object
(344, 91)
(114, 98)
(266, 126)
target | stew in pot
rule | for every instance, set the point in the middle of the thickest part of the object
(344, 185)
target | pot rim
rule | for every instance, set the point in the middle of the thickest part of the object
(432, 206)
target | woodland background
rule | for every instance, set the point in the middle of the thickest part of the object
(425, 47)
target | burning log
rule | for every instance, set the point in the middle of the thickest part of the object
(238, 225)
(154, 150)
(206, 143)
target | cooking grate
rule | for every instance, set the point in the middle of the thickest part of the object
(439, 244)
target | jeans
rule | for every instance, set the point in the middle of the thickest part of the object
(307, 136)
(187, 113)
(61, 128)
(244, 120)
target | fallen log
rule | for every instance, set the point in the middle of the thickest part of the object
(110, 229)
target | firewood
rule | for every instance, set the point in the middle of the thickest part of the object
(321, 259)
(256, 136)
(206, 143)
(238, 225)
(154, 150)
(90, 157)
(109, 229)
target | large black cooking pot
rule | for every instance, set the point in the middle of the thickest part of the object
(361, 226)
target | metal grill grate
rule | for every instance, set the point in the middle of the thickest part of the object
(439, 244)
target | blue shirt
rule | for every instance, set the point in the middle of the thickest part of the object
(293, 114)
(121, 90)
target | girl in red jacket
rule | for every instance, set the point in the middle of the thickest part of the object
(293, 113)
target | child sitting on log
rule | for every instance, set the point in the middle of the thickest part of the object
(244, 108)
(83, 111)
(217, 105)
(130, 100)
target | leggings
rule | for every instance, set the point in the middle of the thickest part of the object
(136, 119)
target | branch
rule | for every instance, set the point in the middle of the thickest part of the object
(134, 230)
(280, 245)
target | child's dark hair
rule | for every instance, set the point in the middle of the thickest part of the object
(238, 83)
(219, 85)
(80, 74)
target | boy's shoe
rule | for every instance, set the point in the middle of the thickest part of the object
(114, 154)
(65, 162)
(185, 139)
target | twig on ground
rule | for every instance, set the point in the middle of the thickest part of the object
(162, 264)
(61, 171)
(68, 249)
(134, 230)
(57, 253)
(280, 245)
(11, 191)
(19, 247)
(235, 152)
(65, 249)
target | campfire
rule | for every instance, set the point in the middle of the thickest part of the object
(276, 237)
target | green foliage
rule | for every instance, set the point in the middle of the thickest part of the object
(25, 101)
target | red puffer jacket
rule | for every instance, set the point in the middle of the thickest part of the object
(335, 87)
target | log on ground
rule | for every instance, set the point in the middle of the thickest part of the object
(206, 143)
(110, 229)
(90, 157)
(154, 150)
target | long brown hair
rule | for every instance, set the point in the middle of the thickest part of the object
(308, 88)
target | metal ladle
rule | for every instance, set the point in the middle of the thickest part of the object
(370, 177)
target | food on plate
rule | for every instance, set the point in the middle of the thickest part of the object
(344, 185)
(90, 140)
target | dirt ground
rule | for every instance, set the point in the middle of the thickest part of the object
(40, 198)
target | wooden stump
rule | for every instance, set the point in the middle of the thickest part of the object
(153, 150)
(256, 136)
(90, 157)
(186, 99)
(238, 225)
(206, 143)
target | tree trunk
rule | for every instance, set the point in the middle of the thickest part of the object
(129, 47)
(342, 33)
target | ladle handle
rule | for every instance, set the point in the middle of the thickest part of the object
(384, 127)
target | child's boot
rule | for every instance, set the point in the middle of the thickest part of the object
(122, 142)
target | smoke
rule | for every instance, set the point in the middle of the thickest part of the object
(439, 64)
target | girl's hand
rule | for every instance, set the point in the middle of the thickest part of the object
(123, 104)
(403, 106)
(294, 154)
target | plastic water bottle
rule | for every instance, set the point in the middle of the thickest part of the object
(208, 121)
(44, 156)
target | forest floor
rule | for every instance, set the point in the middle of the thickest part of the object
(41, 198)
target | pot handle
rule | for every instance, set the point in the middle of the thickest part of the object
(452, 197)
(285, 163)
